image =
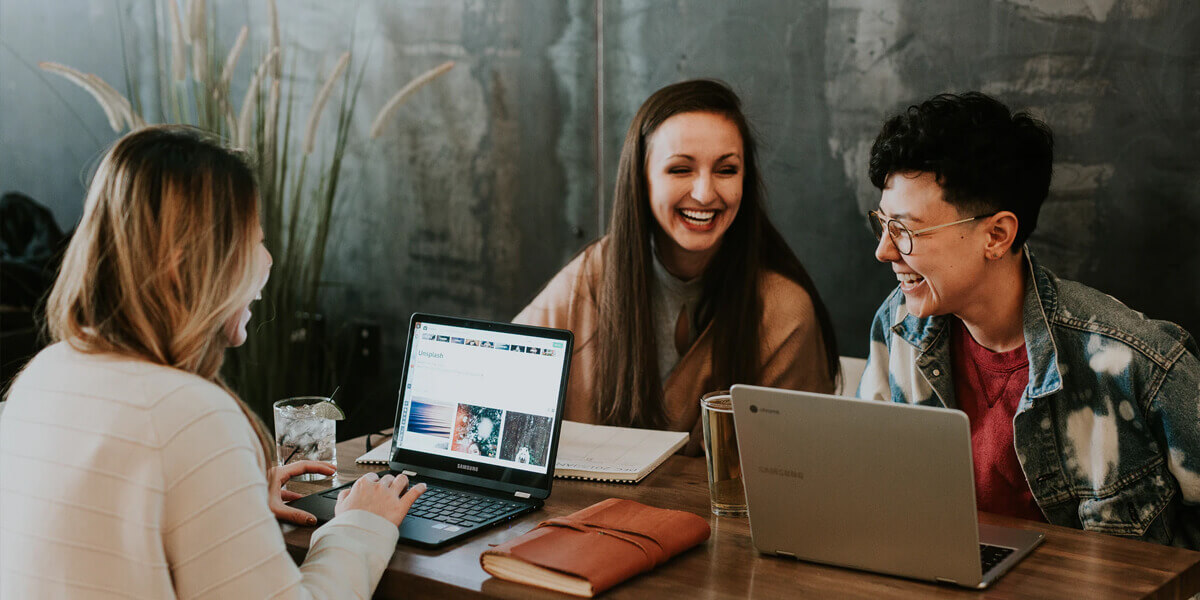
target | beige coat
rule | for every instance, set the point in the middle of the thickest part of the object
(792, 352)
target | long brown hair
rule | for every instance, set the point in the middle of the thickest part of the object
(163, 257)
(629, 389)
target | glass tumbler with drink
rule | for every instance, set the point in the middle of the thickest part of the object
(306, 429)
(726, 494)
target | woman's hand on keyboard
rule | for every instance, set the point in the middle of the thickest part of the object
(384, 496)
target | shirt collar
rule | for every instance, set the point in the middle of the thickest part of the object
(673, 285)
(1041, 300)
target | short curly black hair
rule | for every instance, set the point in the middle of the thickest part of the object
(986, 158)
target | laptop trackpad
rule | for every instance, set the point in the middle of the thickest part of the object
(415, 529)
(425, 531)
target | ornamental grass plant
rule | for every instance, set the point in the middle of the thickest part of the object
(300, 178)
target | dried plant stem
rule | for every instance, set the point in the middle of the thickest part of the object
(314, 118)
(178, 60)
(113, 112)
(273, 16)
(231, 60)
(125, 109)
(268, 129)
(274, 212)
(189, 13)
(381, 120)
(230, 119)
(199, 35)
(246, 117)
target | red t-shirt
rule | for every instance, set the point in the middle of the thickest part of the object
(989, 386)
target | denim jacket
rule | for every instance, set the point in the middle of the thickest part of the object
(1108, 428)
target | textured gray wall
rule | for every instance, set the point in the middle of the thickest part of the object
(488, 181)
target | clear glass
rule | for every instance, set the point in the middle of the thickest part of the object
(302, 435)
(726, 495)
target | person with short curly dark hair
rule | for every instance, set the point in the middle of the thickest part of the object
(985, 159)
(1083, 412)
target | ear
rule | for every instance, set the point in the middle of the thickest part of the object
(1001, 231)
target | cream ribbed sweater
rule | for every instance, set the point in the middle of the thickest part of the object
(120, 478)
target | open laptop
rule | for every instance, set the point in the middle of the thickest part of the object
(478, 419)
(877, 486)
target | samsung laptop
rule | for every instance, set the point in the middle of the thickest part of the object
(868, 485)
(478, 419)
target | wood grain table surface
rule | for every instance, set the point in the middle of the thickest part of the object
(1070, 564)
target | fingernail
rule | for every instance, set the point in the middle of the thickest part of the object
(312, 520)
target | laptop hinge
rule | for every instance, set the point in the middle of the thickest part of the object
(787, 554)
(521, 494)
(409, 473)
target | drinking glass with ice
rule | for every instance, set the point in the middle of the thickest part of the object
(305, 429)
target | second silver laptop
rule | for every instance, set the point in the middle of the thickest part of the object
(868, 485)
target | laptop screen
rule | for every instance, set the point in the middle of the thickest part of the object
(484, 394)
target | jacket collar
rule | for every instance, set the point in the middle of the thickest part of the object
(1041, 301)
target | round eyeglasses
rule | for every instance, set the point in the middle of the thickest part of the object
(901, 235)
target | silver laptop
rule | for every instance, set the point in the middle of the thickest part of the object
(877, 486)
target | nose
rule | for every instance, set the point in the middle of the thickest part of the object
(703, 190)
(885, 250)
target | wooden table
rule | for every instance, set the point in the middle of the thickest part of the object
(1070, 564)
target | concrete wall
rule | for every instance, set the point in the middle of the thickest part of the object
(492, 177)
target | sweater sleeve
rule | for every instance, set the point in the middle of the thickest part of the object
(551, 307)
(793, 349)
(219, 534)
(1175, 414)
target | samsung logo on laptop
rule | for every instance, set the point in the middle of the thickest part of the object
(467, 467)
(782, 472)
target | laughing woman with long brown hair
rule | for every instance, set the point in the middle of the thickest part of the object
(128, 468)
(693, 289)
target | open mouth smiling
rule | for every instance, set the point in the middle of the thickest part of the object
(909, 281)
(698, 219)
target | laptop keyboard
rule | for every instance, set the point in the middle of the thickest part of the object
(990, 556)
(455, 508)
(464, 509)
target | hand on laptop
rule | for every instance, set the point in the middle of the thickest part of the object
(381, 496)
(280, 476)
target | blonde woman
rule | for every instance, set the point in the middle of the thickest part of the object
(127, 468)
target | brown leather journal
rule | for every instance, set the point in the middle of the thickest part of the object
(594, 549)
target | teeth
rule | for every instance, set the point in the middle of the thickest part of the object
(702, 216)
(908, 277)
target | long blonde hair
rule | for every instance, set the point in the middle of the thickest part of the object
(163, 257)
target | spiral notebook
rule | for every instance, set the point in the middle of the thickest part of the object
(594, 452)
(615, 454)
(379, 455)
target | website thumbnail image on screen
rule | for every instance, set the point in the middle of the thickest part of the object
(483, 396)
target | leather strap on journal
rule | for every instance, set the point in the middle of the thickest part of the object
(653, 551)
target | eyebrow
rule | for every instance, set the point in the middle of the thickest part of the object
(901, 216)
(719, 158)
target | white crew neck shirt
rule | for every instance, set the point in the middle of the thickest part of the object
(122, 478)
